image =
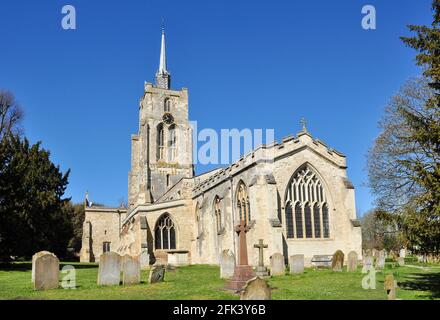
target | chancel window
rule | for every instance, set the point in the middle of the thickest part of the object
(160, 142)
(218, 214)
(165, 233)
(105, 247)
(306, 208)
(243, 206)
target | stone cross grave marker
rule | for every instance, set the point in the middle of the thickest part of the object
(277, 266)
(243, 271)
(227, 264)
(261, 269)
(109, 272)
(45, 271)
(256, 289)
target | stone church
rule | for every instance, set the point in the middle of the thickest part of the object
(293, 194)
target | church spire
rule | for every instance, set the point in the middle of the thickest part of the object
(163, 76)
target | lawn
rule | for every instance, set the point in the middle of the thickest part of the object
(203, 282)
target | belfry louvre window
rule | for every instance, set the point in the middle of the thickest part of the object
(165, 233)
(306, 208)
(172, 141)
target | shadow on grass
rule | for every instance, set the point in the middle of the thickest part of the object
(423, 282)
(27, 266)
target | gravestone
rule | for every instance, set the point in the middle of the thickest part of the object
(338, 261)
(131, 270)
(352, 261)
(38, 254)
(243, 271)
(45, 271)
(367, 263)
(375, 254)
(296, 264)
(322, 261)
(109, 272)
(157, 274)
(227, 264)
(277, 266)
(402, 253)
(144, 259)
(380, 262)
(390, 286)
(261, 269)
(256, 289)
(393, 255)
(401, 261)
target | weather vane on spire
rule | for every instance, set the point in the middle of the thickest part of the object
(303, 123)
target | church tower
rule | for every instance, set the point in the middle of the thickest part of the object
(162, 150)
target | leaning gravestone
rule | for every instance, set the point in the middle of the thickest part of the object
(401, 261)
(227, 264)
(45, 271)
(338, 261)
(296, 263)
(277, 266)
(157, 273)
(352, 261)
(380, 261)
(109, 272)
(131, 270)
(256, 289)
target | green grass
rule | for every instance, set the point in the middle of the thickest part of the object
(202, 282)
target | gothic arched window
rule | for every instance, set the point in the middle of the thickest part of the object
(172, 139)
(160, 142)
(165, 233)
(243, 203)
(306, 206)
(167, 105)
(218, 214)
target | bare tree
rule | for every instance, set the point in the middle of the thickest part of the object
(390, 178)
(11, 115)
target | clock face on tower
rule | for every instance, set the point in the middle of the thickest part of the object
(168, 118)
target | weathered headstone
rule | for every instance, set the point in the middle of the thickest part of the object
(109, 272)
(38, 254)
(390, 286)
(375, 254)
(45, 271)
(393, 255)
(277, 266)
(296, 263)
(131, 270)
(144, 259)
(157, 274)
(338, 261)
(367, 263)
(352, 261)
(380, 261)
(256, 289)
(401, 261)
(261, 269)
(227, 264)
(402, 253)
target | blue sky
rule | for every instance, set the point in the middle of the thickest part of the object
(247, 64)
